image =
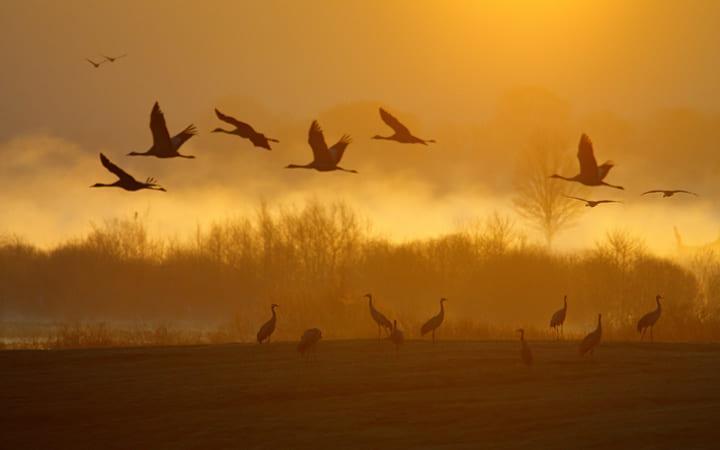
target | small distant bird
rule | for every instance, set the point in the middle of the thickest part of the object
(669, 193)
(244, 130)
(125, 180)
(309, 340)
(557, 321)
(268, 327)
(396, 336)
(650, 319)
(402, 133)
(378, 317)
(324, 159)
(435, 322)
(112, 59)
(590, 173)
(592, 340)
(95, 64)
(592, 203)
(163, 145)
(525, 353)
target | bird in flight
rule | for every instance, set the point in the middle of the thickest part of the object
(590, 173)
(669, 193)
(244, 130)
(324, 159)
(592, 203)
(163, 145)
(402, 133)
(113, 58)
(95, 64)
(125, 180)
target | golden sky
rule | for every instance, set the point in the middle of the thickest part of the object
(479, 76)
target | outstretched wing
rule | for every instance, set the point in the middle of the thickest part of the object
(607, 201)
(245, 129)
(586, 157)
(337, 150)
(393, 123)
(180, 138)
(682, 191)
(656, 191)
(161, 137)
(115, 169)
(577, 198)
(316, 139)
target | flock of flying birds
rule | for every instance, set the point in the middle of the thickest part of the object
(327, 159)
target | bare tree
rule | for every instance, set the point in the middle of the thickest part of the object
(543, 201)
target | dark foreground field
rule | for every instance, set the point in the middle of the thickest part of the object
(358, 394)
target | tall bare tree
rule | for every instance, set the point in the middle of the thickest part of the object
(541, 200)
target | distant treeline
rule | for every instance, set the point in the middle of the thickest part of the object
(316, 262)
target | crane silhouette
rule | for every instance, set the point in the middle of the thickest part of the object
(125, 180)
(669, 193)
(402, 133)
(396, 336)
(268, 327)
(308, 341)
(95, 64)
(112, 59)
(324, 159)
(378, 317)
(557, 321)
(592, 340)
(592, 203)
(244, 130)
(435, 322)
(590, 173)
(650, 319)
(525, 353)
(163, 145)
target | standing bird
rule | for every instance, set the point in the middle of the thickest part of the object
(650, 319)
(396, 336)
(669, 193)
(267, 329)
(378, 317)
(402, 133)
(244, 131)
(525, 353)
(309, 340)
(95, 64)
(324, 159)
(592, 203)
(163, 145)
(590, 173)
(592, 340)
(125, 180)
(112, 59)
(557, 321)
(435, 322)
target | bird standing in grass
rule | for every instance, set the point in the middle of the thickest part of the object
(592, 203)
(435, 322)
(669, 193)
(557, 321)
(378, 317)
(396, 336)
(125, 180)
(308, 341)
(402, 133)
(324, 159)
(525, 353)
(590, 173)
(650, 319)
(244, 130)
(592, 340)
(268, 327)
(163, 145)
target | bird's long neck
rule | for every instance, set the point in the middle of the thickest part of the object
(147, 153)
(221, 130)
(387, 138)
(103, 185)
(659, 306)
(442, 308)
(298, 166)
(272, 308)
(565, 303)
(599, 327)
(563, 177)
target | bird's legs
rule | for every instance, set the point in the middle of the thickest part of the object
(642, 334)
(433, 334)
(651, 334)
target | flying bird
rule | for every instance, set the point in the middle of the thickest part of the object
(95, 64)
(650, 319)
(378, 317)
(396, 336)
(435, 322)
(125, 180)
(557, 321)
(590, 173)
(163, 145)
(402, 133)
(244, 130)
(592, 203)
(268, 327)
(525, 353)
(324, 159)
(669, 193)
(592, 340)
(113, 58)
(309, 341)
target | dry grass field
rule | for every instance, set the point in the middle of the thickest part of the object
(360, 394)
